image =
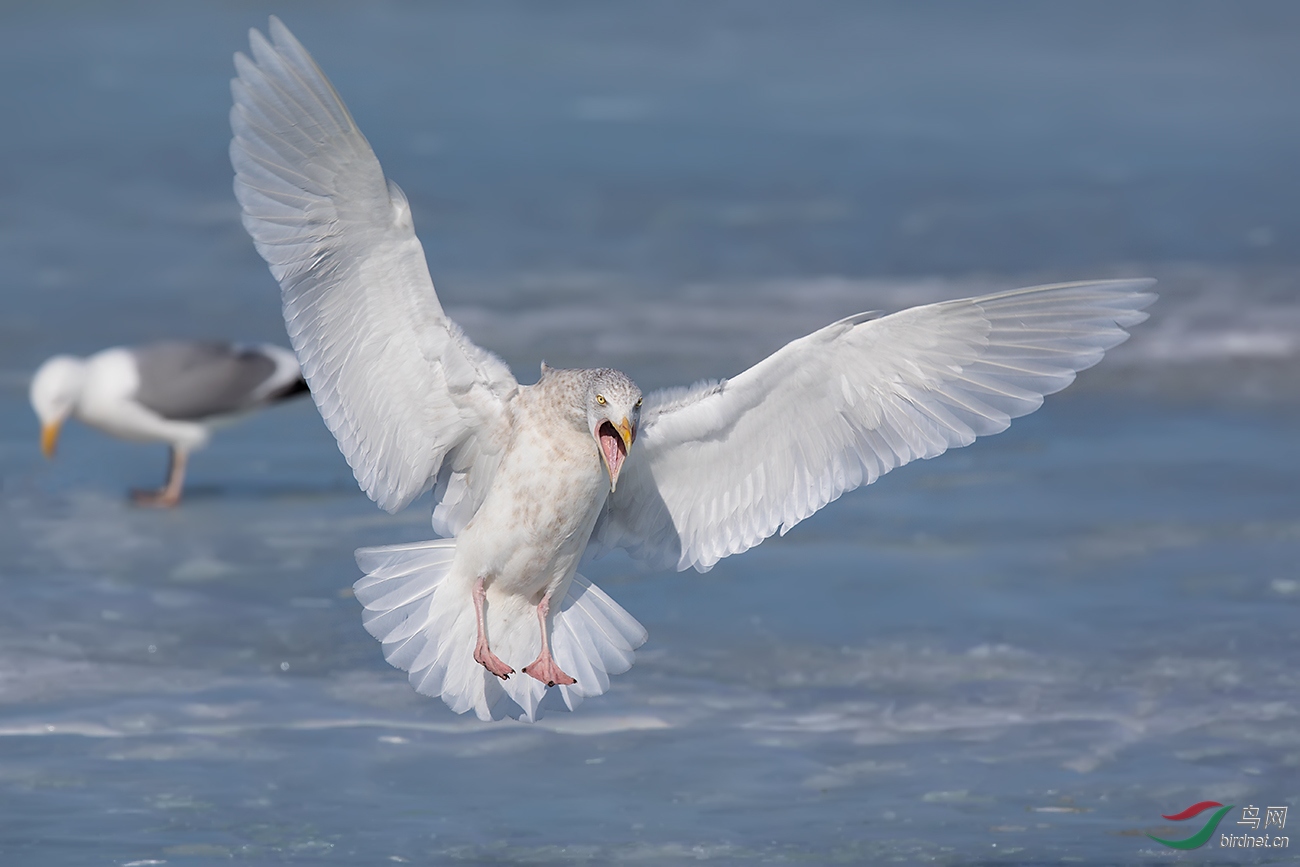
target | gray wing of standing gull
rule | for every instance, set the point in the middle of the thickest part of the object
(198, 380)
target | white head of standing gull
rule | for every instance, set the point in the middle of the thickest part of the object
(526, 477)
(173, 391)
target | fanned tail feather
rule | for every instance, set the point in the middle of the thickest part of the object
(426, 624)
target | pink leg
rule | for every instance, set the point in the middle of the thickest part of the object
(544, 668)
(169, 494)
(482, 655)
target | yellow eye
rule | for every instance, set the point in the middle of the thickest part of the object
(639, 400)
(600, 399)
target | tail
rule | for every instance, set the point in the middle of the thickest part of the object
(427, 627)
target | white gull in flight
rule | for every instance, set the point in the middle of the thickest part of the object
(526, 477)
(173, 391)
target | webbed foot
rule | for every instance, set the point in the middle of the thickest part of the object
(544, 669)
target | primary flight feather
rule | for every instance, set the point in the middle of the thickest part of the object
(495, 618)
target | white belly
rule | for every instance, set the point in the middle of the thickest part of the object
(529, 534)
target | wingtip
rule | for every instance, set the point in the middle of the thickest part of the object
(1140, 289)
(1143, 294)
(259, 44)
(278, 31)
(1140, 296)
(284, 39)
(1135, 295)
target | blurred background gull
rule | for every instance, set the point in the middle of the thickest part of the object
(1031, 648)
(173, 391)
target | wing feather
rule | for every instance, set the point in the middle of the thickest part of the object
(400, 386)
(722, 466)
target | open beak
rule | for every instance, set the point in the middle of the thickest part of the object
(615, 442)
(49, 438)
(626, 432)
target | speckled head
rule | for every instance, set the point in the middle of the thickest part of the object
(613, 415)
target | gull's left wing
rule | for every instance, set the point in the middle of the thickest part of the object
(719, 467)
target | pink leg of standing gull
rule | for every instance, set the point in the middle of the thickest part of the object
(169, 494)
(544, 668)
(482, 655)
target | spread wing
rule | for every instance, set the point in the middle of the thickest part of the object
(403, 390)
(719, 467)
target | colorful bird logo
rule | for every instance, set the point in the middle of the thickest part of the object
(1201, 837)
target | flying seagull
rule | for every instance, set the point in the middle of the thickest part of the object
(173, 391)
(493, 617)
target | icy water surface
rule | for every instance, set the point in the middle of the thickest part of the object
(1027, 650)
(1023, 652)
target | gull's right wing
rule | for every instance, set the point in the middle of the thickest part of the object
(410, 399)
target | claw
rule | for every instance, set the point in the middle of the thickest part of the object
(491, 661)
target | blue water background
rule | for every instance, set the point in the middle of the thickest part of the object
(1023, 652)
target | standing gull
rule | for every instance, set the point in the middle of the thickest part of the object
(526, 477)
(173, 392)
